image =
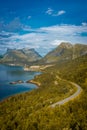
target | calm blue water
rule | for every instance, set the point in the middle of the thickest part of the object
(14, 73)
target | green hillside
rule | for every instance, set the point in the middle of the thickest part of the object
(32, 111)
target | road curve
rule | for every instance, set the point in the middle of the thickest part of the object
(79, 89)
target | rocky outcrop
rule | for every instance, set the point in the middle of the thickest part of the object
(17, 82)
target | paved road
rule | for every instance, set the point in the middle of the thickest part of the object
(69, 98)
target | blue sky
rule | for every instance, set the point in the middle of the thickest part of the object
(42, 25)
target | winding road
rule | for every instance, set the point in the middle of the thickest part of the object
(79, 89)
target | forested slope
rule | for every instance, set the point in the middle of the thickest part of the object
(31, 111)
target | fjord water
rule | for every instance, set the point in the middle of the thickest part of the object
(14, 73)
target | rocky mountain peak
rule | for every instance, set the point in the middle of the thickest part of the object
(20, 56)
(65, 45)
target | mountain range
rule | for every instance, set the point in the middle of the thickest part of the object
(20, 56)
(63, 52)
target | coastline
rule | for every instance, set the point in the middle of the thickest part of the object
(28, 81)
(33, 82)
(13, 95)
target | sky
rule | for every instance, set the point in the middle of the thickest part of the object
(42, 24)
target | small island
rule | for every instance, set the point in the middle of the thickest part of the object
(17, 82)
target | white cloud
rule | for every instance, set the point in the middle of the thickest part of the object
(65, 29)
(49, 11)
(54, 13)
(84, 23)
(45, 38)
(61, 12)
(57, 42)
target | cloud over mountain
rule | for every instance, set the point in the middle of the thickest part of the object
(44, 37)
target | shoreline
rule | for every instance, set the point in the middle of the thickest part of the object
(13, 95)
(33, 82)
(30, 81)
(27, 82)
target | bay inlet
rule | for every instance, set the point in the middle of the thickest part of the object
(14, 73)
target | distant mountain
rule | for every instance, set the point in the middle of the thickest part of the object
(20, 56)
(64, 52)
(32, 54)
